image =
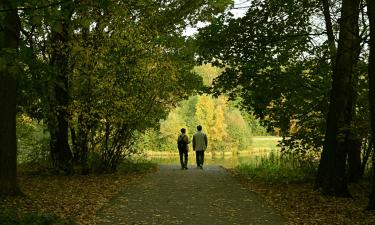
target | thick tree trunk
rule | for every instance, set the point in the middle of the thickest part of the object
(331, 177)
(352, 142)
(9, 40)
(354, 158)
(371, 77)
(59, 115)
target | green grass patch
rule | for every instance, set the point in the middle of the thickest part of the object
(10, 217)
(140, 165)
(274, 168)
(265, 142)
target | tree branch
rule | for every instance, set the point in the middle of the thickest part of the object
(35, 8)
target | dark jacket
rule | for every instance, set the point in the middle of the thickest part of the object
(185, 138)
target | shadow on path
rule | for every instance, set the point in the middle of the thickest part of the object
(173, 196)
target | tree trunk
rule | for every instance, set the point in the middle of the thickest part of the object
(59, 114)
(367, 150)
(80, 141)
(9, 41)
(329, 29)
(371, 78)
(331, 177)
(353, 143)
(354, 158)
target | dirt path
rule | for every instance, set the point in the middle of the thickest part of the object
(173, 196)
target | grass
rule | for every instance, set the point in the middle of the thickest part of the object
(288, 187)
(136, 166)
(274, 168)
(271, 166)
(264, 142)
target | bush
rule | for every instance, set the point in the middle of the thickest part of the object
(95, 163)
(32, 141)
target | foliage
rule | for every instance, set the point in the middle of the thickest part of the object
(32, 141)
(276, 62)
(226, 128)
(106, 70)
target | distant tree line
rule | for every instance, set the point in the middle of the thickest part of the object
(228, 129)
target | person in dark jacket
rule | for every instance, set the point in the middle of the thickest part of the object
(200, 143)
(183, 148)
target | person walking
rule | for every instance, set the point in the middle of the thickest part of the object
(200, 143)
(183, 148)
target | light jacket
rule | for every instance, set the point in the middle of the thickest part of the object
(200, 141)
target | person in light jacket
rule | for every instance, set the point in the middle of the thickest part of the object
(200, 143)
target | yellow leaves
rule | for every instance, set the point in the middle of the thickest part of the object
(208, 73)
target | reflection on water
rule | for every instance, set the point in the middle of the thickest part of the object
(228, 161)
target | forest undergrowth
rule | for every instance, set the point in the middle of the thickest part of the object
(290, 191)
(57, 199)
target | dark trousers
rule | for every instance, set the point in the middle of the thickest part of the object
(199, 156)
(183, 158)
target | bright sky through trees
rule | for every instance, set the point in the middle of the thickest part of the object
(239, 10)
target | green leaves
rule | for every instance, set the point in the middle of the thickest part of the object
(265, 55)
(36, 19)
(121, 66)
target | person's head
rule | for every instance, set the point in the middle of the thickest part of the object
(199, 127)
(183, 130)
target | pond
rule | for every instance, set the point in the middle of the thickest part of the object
(261, 147)
(227, 161)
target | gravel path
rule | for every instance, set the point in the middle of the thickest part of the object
(173, 196)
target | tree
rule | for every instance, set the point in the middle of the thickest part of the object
(274, 65)
(9, 42)
(279, 63)
(205, 112)
(331, 177)
(58, 120)
(107, 70)
(371, 78)
(218, 131)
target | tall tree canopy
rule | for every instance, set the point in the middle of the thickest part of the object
(95, 72)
